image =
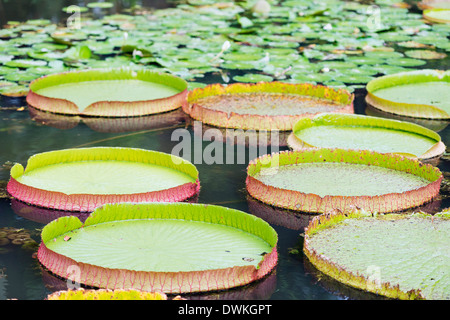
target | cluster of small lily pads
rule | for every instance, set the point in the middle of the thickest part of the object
(336, 43)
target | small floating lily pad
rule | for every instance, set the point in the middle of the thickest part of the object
(82, 179)
(319, 180)
(264, 105)
(366, 133)
(397, 256)
(434, 4)
(418, 94)
(108, 92)
(161, 247)
(14, 91)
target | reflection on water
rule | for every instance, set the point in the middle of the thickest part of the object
(23, 10)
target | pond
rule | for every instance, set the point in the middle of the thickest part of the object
(25, 131)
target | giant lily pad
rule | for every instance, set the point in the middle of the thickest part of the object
(434, 4)
(319, 180)
(108, 93)
(161, 247)
(418, 94)
(105, 294)
(265, 105)
(116, 124)
(83, 179)
(366, 133)
(398, 256)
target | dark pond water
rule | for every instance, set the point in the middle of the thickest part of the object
(24, 133)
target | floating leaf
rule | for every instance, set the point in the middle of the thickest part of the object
(105, 294)
(264, 105)
(101, 5)
(425, 54)
(108, 92)
(320, 180)
(366, 133)
(82, 179)
(379, 254)
(171, 245)
(253, 77)
(418, 93)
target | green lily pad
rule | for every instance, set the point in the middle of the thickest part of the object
(312, 77)
(353, 78)
(366, 133)
(253, 77)
(108, 92)
(162, 247)
(14, 91)
(238, 65)
(380, 254)
(105, 294)
(21, 76)
(419, 94)
(72, 9)
(405, 62)
(25, 63)
(7, 70)
(264, 105)
(101, 5)
(425, 54)
(81, 179)
(437, 15)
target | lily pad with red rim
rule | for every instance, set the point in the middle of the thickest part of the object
(437, 15)
(264, 105)
(105, 294)
(108, 92)
(320, 180)
(161, 247)
(83, 179)
(366, 133)
(400, 256)
(417, 94)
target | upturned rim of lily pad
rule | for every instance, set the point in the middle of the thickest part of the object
(327, 266)
(108, 108)
(244, 121)
(310, 202)
(364, 121)
(225, 221)
(87, 202)
(424, 111)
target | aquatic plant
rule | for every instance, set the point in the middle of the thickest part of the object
(85, 178)
(108, 93)
(417, 94)
(160, 247)
(264, 105)
(366, 133)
